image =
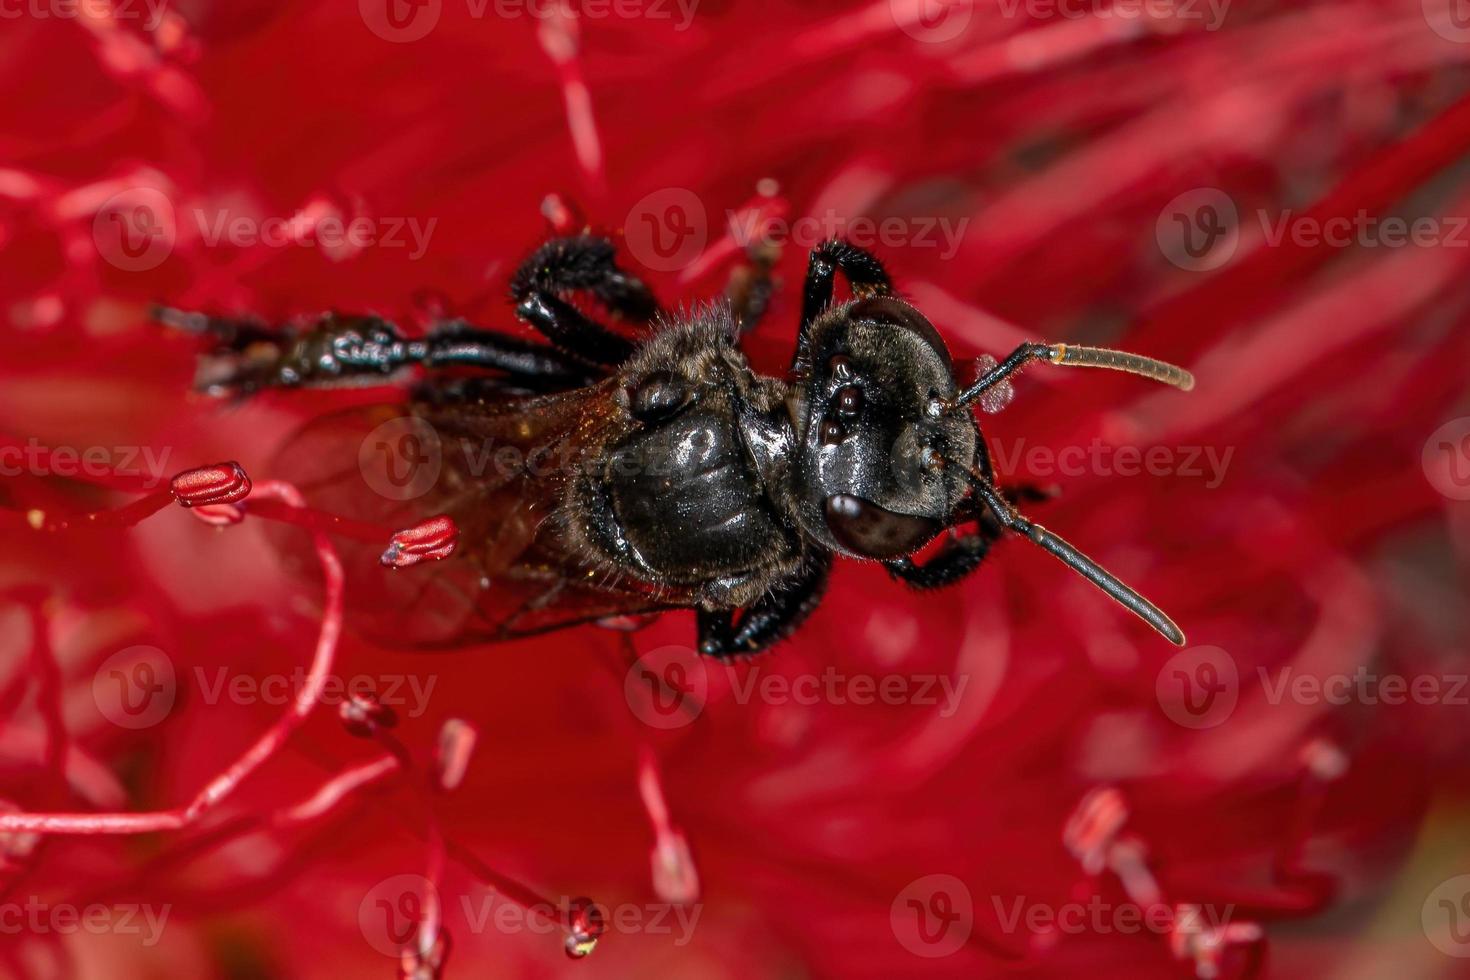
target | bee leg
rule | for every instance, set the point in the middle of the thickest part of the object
(862, 270)
(340, 349)
(961, 555)
(456, 343)
(771, 618)
(957, 558)
(587, 264)
(751, 285)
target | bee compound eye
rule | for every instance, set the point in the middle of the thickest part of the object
(657, 397)
(867, 529)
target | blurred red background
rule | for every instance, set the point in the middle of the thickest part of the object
(1206, 183)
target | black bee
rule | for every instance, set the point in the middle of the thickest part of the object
(594, 477)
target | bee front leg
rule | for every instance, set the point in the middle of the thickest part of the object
(964, 553)
(864, 273)
(768, 620)
(957, 558)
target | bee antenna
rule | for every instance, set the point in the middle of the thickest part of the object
(1069, 355)
(1012, 520)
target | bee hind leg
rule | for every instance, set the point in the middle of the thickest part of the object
(337, 349)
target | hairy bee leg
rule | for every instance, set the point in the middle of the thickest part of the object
(339, 349)
(959, 557)
(862, 270)
(582, 263)
(964, 553)
(772, 618)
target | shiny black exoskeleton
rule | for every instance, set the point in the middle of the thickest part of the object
(698, 482)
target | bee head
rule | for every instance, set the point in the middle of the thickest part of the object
(881, 465)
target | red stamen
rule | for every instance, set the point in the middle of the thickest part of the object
(335, 790)
(429, 540)
(675, 876)
(265, 746)
(456, 745)
(222, 483)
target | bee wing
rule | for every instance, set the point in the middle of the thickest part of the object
(499, 465)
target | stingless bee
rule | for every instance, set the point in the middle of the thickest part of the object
(594, 477)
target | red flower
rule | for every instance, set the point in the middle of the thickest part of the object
(1009, 775)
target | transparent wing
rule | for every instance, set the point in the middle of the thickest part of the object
(499, 464)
